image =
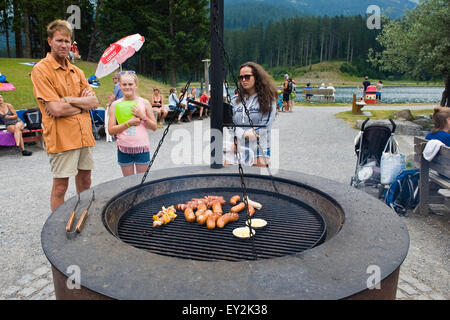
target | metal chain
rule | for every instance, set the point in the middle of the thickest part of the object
(237, 154)
(166, 131)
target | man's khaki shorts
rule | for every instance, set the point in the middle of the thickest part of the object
(66, 164)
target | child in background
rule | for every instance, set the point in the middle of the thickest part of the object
(280, 100)
(204, 99)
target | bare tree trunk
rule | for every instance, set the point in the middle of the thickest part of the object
(348, 46)
(6, 28)
(321, 45)
(26, 26)
(278, 56)
(172, 70)
(17, 22)
(330, 52)
(306, 51)
(90, 56)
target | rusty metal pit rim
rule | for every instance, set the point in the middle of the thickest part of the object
(371, 235)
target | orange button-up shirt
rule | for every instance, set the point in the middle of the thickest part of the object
(51, 83)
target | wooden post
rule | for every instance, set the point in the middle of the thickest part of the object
(354, 109)
(424, 184)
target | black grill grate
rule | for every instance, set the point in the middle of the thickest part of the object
(292, 227)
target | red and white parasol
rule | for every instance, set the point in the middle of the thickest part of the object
(118, 53)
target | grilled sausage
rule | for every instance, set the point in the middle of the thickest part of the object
(180, 207)
(189, 214)
(228, 217)
(238, 208)
(251, 210)
(234, 200)
(202, 206)
(211, 221)
(201, 219)
(217, 207)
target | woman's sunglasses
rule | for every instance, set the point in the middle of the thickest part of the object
(245, 76)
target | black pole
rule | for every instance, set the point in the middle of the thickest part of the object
(217, 9)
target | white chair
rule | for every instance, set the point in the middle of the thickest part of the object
(108, 137)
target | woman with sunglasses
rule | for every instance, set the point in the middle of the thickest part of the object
(133, 145)
(258, 93)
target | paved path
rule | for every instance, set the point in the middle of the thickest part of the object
(311, 140)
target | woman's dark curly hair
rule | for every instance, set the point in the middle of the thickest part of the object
(267, 93)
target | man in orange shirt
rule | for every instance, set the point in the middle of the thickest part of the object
(65, 97)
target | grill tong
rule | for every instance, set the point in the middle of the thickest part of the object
(83, 217)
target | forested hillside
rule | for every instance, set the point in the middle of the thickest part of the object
(240, 14)
(304, 41)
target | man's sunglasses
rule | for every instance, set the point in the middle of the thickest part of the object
(245, 76)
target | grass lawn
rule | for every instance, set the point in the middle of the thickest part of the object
(23, 97)
(351, 118)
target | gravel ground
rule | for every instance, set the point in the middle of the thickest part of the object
(311, 140)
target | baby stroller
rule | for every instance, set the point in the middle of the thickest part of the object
(98, 124)
(369, 148)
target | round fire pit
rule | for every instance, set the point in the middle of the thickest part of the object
(324, 240)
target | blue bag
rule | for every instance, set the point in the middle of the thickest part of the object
(403, 194)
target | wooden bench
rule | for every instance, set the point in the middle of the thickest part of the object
(324, 94)
(28, 136)
(437, 172)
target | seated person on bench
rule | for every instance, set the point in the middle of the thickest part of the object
(158, 105)
(441, 131)
(8, 117)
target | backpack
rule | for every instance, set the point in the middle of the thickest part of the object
(289, 88)
(33, 119)
(403, 194)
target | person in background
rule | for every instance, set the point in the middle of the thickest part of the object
(9, 118)
(65, 97)
(280, 100)
(260, 97)
(333, 96)
(158, 105)
(117, 92)
(191, 107)
(441, 131)
(379, 88)
(174, 104)
(308, 95)
(286, 92)
(204, 99)
(445, 100)
(74, 53)
(365, 84)
(292, 96)
(133, 145)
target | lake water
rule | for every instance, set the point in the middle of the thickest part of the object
(388, 95)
